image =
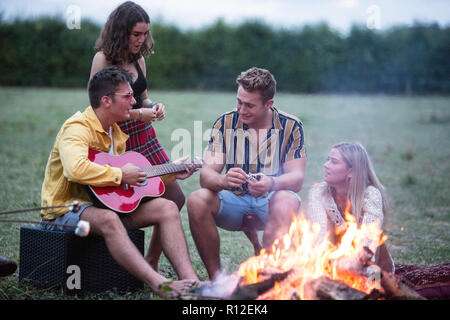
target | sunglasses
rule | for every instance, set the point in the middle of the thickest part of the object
(128, 95)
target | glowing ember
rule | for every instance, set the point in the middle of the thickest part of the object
(307, 260)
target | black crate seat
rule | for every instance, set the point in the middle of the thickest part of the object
(51, 259)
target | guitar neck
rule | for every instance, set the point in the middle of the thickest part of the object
(162, 169)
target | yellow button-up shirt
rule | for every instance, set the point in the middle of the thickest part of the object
(68, 168)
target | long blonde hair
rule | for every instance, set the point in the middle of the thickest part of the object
(363, 176)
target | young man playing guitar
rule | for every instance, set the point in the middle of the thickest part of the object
(69, 170)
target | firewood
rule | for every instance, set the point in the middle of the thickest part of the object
(324, 288)
(375, 294)
(253, 291)
(365, 255)
(396, 289)
(355, 265)
(348, 266)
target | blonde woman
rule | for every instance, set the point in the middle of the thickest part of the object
(349, 177)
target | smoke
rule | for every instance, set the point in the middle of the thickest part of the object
(222, 285)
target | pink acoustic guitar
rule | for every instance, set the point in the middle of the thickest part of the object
(126, 198)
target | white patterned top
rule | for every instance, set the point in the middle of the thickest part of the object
(322, 210)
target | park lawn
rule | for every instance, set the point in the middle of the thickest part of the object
(407, 137)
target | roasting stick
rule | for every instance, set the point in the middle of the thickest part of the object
(82, 229)
(75, 206)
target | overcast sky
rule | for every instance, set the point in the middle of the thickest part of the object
(188, 14)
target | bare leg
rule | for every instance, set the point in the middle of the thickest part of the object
(165, 215)
(282, 206)
(154, 249)
(252, 235)
(174, 193)
(202, 206)
(107, 224)
(250, 227)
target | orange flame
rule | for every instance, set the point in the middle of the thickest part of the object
(301, 252)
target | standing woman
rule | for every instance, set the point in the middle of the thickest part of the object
(124, 41)
(349, 176)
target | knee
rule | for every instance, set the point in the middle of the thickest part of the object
(195, 199)
(170, 210)
(199, 203)
(284, 205)
(285, 200)
(157, 211)
(109, 223)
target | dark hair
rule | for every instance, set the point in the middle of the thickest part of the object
(114, 38)
(257, 79)
(105, 82)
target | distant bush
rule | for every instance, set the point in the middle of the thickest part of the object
(414, 59)
(44, 52)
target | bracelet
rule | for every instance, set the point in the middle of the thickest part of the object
(151, 104)
(140, 114)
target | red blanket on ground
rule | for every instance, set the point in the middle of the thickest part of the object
(432, 282)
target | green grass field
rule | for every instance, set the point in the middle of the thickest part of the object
(408, 139)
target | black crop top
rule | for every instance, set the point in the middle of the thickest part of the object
(139, 86)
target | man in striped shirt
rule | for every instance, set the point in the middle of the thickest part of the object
(263, 152)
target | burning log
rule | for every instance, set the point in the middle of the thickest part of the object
(356, 265)
(396, 289)
(324, 288)
(342, 271)
(253, 291)
(392, 288)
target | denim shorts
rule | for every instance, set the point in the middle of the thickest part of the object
(69, 221)
(233, 208)
(66, 222)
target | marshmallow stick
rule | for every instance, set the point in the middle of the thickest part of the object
(82, 229)
(75, 206)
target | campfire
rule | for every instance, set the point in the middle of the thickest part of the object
(297, 267)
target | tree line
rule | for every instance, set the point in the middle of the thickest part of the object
(314, 58)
